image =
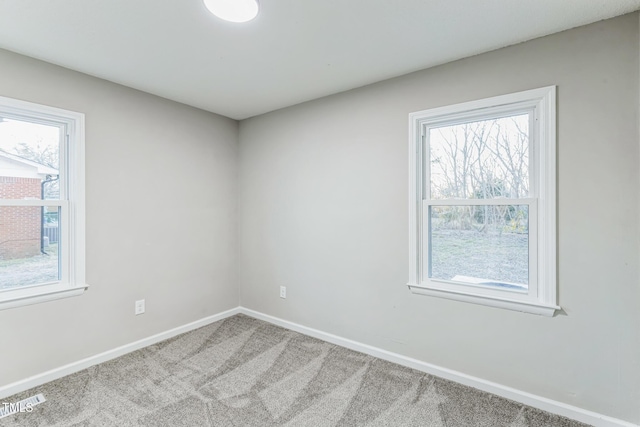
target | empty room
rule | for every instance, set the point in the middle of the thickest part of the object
(320, 213)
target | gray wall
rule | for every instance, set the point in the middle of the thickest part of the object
(161, 220)
(323, 211)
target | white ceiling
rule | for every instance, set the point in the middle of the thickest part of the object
(296, 50)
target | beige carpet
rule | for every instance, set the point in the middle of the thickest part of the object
(245, 372)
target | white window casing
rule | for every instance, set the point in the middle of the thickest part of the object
(71, 203)
(541, 295)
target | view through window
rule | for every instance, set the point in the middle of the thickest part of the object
(29, 235)
(487, 162)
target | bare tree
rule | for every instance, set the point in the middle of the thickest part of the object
(44, 154)
(488, 159)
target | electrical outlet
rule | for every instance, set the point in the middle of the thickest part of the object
(139, 307)
(283, 292)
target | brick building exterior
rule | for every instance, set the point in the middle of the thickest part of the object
(20, 226)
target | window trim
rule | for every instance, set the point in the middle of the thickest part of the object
(73, 200)
(542, 103)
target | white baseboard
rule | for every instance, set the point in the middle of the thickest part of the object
(54, 374)
(523, 397)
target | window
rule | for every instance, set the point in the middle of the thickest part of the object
(41, 203)
(482, 202)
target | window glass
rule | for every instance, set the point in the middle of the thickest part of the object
(485, 245)
(482, 159)
(23, 260)
(29, 235)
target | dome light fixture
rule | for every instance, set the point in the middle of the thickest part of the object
(233, 10)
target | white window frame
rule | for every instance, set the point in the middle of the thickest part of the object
(71, 203)
(541, 297)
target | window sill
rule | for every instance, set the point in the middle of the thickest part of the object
(522, 306)
(38, 294)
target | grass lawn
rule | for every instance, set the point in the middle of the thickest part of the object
(498, 257)
(30, 271)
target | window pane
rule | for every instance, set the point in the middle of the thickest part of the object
(29, 241)
(483, 245)
(480, 160)
(29, 160)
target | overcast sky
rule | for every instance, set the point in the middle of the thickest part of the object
(13, 132)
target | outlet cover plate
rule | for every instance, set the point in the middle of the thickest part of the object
(140, 307)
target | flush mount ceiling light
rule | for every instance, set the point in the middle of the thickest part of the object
(233, 10)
